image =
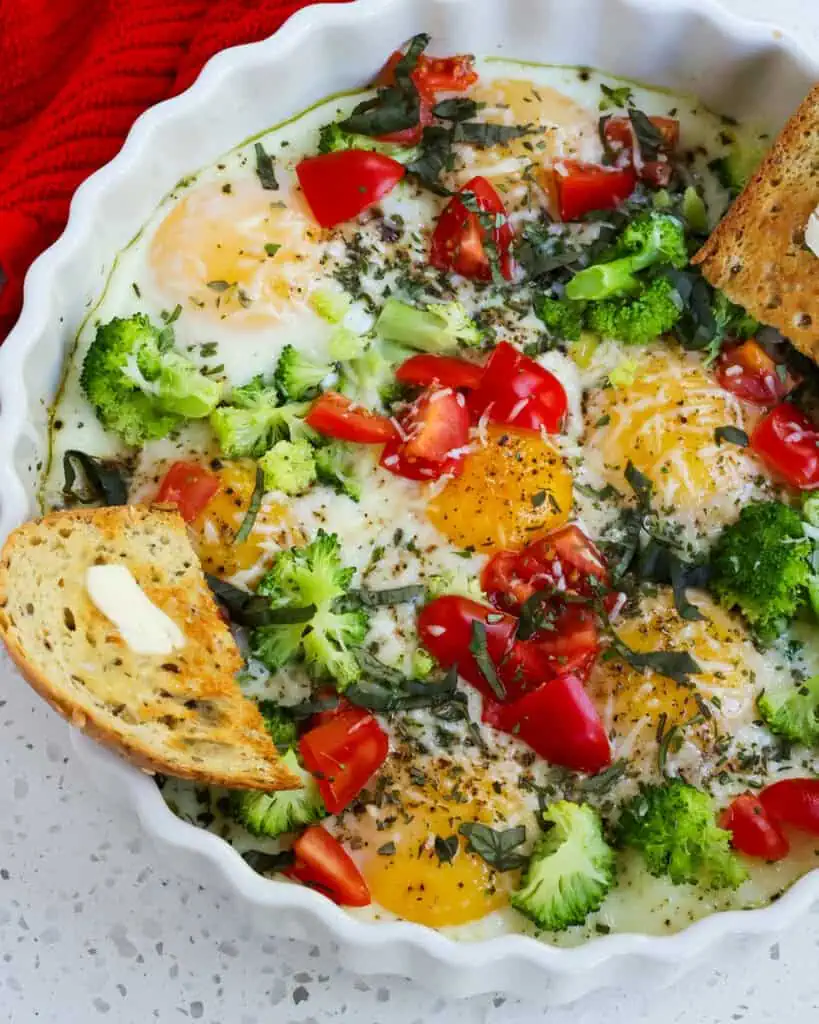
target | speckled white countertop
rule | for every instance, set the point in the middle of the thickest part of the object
(93, 926)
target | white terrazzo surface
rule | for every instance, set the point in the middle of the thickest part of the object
(94, 927)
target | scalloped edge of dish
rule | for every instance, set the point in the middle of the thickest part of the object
(739, 49)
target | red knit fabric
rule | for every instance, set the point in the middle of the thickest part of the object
(76, 73)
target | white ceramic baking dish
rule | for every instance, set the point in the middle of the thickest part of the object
(735, 66)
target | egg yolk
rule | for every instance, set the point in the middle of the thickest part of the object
(447, 885)
(664, 422)
(632, 702)
(564, 129)
(514, 486)
(235, 254)
(216, 526)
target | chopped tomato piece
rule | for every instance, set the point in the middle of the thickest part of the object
(752, 831)
(793, 802)
(434, 74)
(752, 375)
(788, 443)
(324, 865)
(336, 416)
(436, 432)
(560, 723)
(344, 752)
(190, 487)
(518, 391)
(458, 238)
(619, 135)
(338, 186)
(582, 188)
(445, 629)
(425, 370)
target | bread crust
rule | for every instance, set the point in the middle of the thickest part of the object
(260, 766)
(757, 254)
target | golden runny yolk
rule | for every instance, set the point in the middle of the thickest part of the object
(565, 129)
(631, 701)
(411, 879)
(216, 526)
(664, 422)
(210, 254)
(514, 486)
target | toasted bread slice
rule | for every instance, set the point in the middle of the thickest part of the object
(757, 254)
(181, 714)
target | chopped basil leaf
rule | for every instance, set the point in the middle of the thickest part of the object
(219, 285)
(384, 598)
(480, 652)
(603, 781)
(269, 862)
(733, 435)
(649, 138)
(385, 689)
(104, 480)
(252, 510)
(394, 107)
(445, 849)
(386, 850)
(265, 170)
(458, 109)
(618, 97)
(495, 846)
(253, 610)
(308, 708)
(639, 483)
(479, 133)
(271, 248)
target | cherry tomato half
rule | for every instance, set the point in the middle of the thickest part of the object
(425, 370)
(788, 443)
(324, 865)
(518, 391)
(445, 629)
(560, 723)
(458, 239)
(619, 135)
(752, 831)
(336, 416)
(343, 753)
(190, 487)
(747, 371)
(793, 802)
(434, 74)
(436, 432)
(338, 186)
(583, 187)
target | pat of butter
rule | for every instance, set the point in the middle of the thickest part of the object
(812, 232)
(145, 628)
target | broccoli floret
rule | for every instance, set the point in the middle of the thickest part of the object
(794, 712)
(297, 376)
(289, 466)
(761, 564)
(570, 871)
(441, 327)
(370, 379)
(423, 664)
(253, 420)
(312, 576)
(337, 466)
(140, 388)
(562, 317)
(636, 319)
(271, 814)
(344, 344)
(330, 305)
(332, 138)
(279, 723)
(652, 238)
(673, 826)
